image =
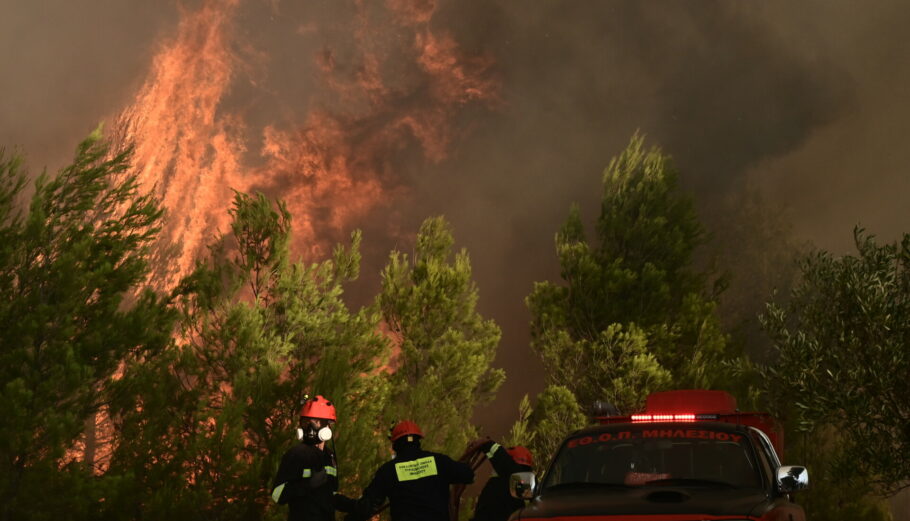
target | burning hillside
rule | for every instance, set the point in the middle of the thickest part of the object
(198, 134)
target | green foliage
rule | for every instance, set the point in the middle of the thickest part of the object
(632, 316)
(445, 348)
(631, 305)
(843, 357)
(650, 229)
(70, 311)
(520, 433)
(616, 366)
(836, 493)
(556, 415)
(203, 425)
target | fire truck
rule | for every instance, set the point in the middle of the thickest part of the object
(690, 456)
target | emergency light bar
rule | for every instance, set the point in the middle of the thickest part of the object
(672, 417)
(693, 405)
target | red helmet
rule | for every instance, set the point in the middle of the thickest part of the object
(405, 428)
(521, 455)
(318, 407)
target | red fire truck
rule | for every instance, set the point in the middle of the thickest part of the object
(690, 456)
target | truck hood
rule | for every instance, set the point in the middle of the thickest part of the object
(656, 503)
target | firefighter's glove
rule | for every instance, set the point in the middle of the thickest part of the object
(481, 444)
(487, 445)
(474, 447)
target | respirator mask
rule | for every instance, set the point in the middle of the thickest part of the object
(314, 434)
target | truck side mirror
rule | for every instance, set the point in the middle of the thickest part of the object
(792, 479)
(522, 485)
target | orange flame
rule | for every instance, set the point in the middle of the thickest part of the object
(333, 169)
(183, 147)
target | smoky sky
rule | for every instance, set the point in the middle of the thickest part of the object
(806, 102)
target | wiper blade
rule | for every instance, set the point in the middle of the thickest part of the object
(692, 482)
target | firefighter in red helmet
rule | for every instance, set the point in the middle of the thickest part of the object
(307, 476)
(416, 482)
(495, 502)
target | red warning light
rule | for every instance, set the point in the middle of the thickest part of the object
(670, 417)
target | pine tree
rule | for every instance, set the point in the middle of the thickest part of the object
(71, 310)
(631, 304)
(204, 425)
(442, 368)
(616, 366)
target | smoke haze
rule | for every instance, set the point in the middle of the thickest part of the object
(497, 114)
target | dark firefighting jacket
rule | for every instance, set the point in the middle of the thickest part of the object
(495, 502)
(416, 483)
(306, 482)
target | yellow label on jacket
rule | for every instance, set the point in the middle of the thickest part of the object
(416, 469)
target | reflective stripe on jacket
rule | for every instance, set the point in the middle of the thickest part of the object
(306, 481)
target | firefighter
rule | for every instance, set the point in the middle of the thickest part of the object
(307, 477)
(495, 502)
(416, 482)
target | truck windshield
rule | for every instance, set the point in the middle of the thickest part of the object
(656, 454)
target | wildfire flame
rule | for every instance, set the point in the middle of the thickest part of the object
(332, 168)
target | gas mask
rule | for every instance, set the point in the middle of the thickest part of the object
(313, 434)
